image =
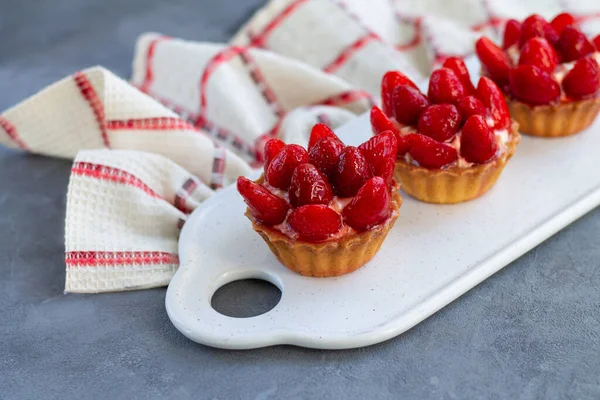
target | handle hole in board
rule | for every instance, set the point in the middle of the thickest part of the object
(245, 298)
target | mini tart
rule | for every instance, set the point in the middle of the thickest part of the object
(554, 120)
(333, 257)
(455, 184)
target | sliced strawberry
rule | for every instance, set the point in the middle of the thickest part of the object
(380, 152)
(352, 172)
(403, 145)
(583, 80)
(279, 172)
(561, 21)
(315, 222)
(445, 87)
(537, 26)
(272, 148)
(440, 122)
(462, 73)
(325, 155)
(390, 81)
(471, 105)
(370, 206)
(512, 33)
(409, 103)
(596, 42)
(431, 154)
(537, 51)
(495, 62)
(309, 186)
(534, 86)
(381, 123)
(573, 44)
(264, 205)
(477, 141)
(318, 132)
(491, 96)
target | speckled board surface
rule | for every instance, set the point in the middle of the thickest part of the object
(531, 331)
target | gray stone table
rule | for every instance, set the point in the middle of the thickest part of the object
(531, 331)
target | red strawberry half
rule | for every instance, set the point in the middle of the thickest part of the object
(272, 148)
(380, 152)
(573, 44)
(279, 172)
(352, 172)
(537, 26)
(462, 73)
(380, 122)
(561, 21)
(495, 62)
(409, 103)
(309, 186)
(491, 96)
(264, 206)
(318, 132)
(471, 105)
(315, 222)
(440, 122)
(534, 86)
(583, 80)
(445, 87)
(325, 155)
(596, 42)
(390, 81)
(370, 206)
(537, 51)
(429, 153)
(512, 33)
(477, 142)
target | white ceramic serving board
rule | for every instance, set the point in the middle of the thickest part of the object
(434, 254)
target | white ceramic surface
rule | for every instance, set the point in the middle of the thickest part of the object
(433, 255)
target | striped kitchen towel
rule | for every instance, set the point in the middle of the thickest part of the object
(195, 115)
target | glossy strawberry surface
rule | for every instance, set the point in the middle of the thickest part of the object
(264, 206)
(477, 142)
(491, 96)
(380, 152)
(536, 26)
(380, 122)
(279, 171)
(430, 153)
(315, 222)
(471, 105)
(272, 148)
(325, 155)
(533, 86)
(390, 81)
(351, 173)
(512, 33)
(457, 65)
(370, 206)
(440, 122)
(583, 80)
(409, 103)
(573, 44)
(495, 62)
(309, 186)
(562, 20)
(537, 51)
(445, 87)
(320, 131)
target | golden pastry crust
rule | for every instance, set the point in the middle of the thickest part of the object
(330, 258)
(554, 120)
(454, 185)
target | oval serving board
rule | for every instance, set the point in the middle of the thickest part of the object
(433, 255)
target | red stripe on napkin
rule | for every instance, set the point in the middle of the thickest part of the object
(184, 193)
(260, 39)
(259, 79)
(11, 131)
(149, 76)
(111, 174)
(346, 97)
(347, 53)
(90, 95)
(117, 258)
(159, 123)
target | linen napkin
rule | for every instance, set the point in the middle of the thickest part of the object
(196, 115)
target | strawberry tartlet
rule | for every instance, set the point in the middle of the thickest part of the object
(325, 211)
(454, 142)
(549, 73)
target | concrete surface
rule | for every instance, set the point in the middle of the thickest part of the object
(531, 331)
